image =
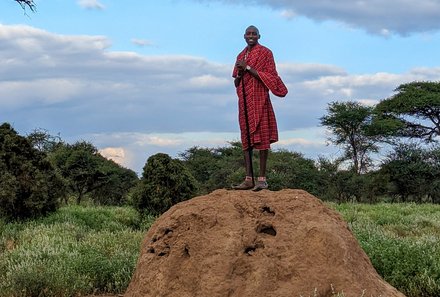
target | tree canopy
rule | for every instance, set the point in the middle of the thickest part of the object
(165, 182)
(349, 123)
(29, 185)
(88, 172)
(413, 112)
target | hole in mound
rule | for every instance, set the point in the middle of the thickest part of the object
(268, 210)
(186, 252)
(267, 229)
(250, 250)
(165, 251)
(168, 231)
(151, 250)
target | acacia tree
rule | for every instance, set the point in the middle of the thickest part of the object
(43, 141)
(27, 4)
(349, 123)
(413, 112)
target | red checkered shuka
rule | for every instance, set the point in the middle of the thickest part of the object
(261, 117)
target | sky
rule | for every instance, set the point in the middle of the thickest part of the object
(137, 78)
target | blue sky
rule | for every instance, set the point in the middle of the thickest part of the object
(140, 77)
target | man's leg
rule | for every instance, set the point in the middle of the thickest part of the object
(263, 162)
(248, 162)
(249, 180)
(261, 182)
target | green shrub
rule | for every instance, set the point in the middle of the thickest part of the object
(165, 182)
(29, 185)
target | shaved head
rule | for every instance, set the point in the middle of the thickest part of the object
(252, 27)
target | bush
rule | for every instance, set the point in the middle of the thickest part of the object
(29, 185)
(165, 182)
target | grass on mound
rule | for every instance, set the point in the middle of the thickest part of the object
(76, 251)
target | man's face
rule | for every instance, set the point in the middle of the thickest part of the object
(251, 36)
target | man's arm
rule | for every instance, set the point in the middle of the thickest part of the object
(253, 72)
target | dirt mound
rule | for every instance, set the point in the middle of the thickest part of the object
(232, 243)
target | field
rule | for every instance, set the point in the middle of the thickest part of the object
(93, 250)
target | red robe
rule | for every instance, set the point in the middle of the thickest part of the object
(261, 117)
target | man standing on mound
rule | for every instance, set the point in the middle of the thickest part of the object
(255, 75)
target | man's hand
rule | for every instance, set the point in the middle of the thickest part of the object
(241, 65)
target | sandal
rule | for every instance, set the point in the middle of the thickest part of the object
(260, 185)
(246, 185)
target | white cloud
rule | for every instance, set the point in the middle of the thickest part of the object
(300, 141)
(76, 86)
(141, 42)
(161, 141)
(368, 102)
(208, 80)
(288, 14)
(91, 4)
(116, 154)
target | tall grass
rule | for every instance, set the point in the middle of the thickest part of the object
(93, 250)
(402, 241)
(76, 251)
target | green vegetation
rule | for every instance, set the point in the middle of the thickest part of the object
(29, 184)
(92, 250)
(165, 182)
(414, 112)
(75, 251)
(402, 241)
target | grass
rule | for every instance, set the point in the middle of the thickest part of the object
(81, 250)
(402, 241)
(76, 251)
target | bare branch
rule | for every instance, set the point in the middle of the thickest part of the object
(27, 3)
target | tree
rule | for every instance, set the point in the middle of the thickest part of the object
(412, 171)
(29, 185)
(27, 3)
(215, 168)
(118, 183)
(43, 141)
(349, 123)
(292, 170)
(413, 112)
(80, 164)
(165, 182)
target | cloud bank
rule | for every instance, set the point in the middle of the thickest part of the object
(401, 17)
(132, 105)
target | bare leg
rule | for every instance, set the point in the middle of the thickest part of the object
(248, 162)
(261, 182)
(263, 162)
(248, 183)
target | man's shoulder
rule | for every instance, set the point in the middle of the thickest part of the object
(263, 48)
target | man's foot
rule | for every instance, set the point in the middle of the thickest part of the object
(260, 185)
(246, 185)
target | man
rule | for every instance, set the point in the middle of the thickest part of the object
(254, 76)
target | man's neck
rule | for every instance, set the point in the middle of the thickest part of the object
(249, 47)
